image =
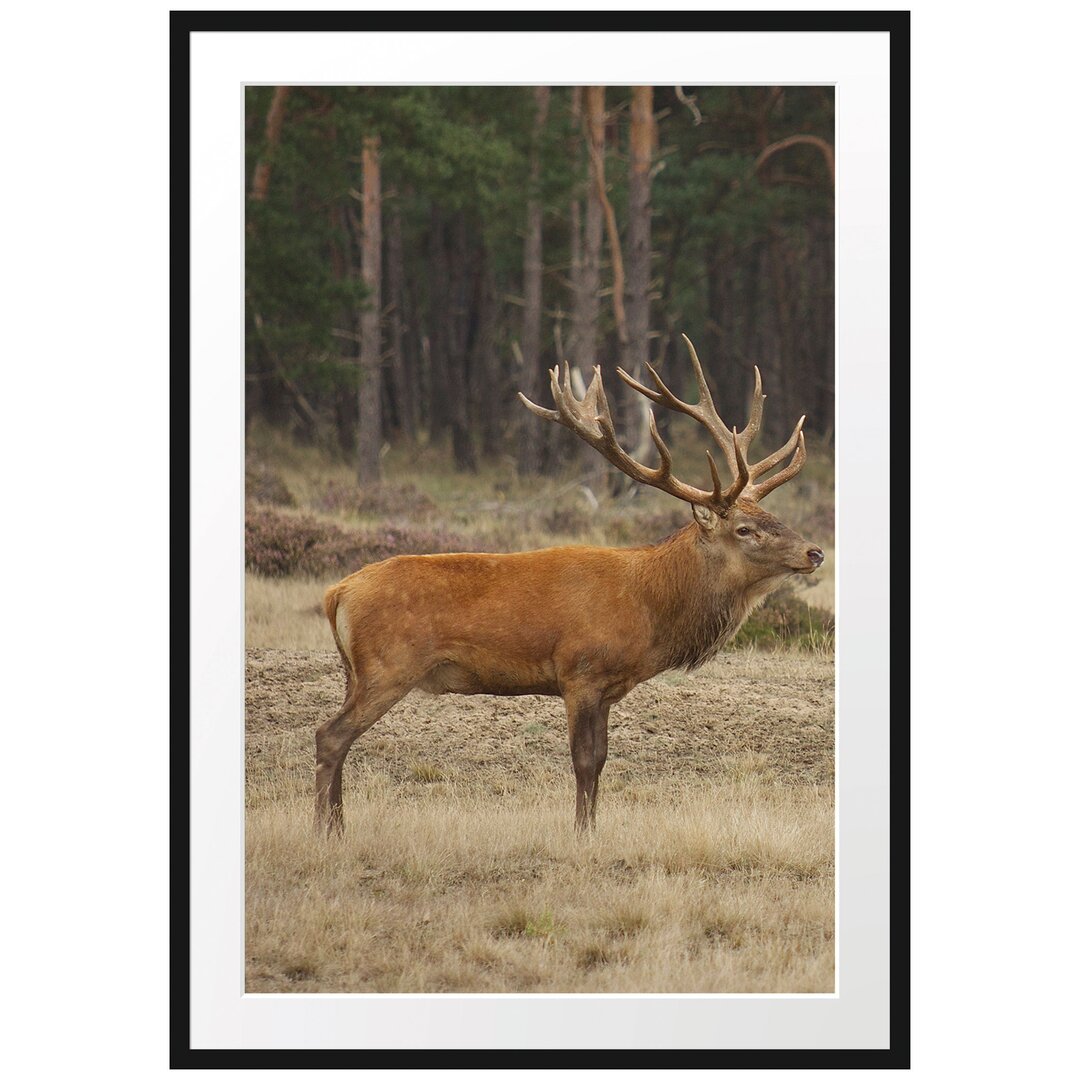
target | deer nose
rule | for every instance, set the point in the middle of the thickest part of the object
(816, 556)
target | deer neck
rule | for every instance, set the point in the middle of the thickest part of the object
(696, 607)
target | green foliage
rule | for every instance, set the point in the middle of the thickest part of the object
(295, 287)
(293, 296)
(459, 145)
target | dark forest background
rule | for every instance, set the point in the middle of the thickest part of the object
(416, 255)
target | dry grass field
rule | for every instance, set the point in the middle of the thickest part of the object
(711, 870)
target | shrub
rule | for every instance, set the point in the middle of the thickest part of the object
(386, 500)
(280, 544)
(785, 619)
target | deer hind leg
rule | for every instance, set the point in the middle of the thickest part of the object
(587, 718)
(364, 704)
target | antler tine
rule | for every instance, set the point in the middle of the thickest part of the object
(663, 470)
(600, 402)
(717, 483)
(565, 391)
(774, 459)
(703, 386)
(547, 414)
(741, 470)
(564, 370)
(641, 388)
(556, 388)
(794, 467)
(757, 406)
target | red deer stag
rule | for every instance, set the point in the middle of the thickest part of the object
(586, 624)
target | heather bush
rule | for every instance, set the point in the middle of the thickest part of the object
(280, 544)
(386, 500)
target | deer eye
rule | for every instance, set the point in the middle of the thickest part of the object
(743, 530)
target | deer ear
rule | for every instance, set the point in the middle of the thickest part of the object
(704, 517)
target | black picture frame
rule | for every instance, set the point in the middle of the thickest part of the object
(896, 24)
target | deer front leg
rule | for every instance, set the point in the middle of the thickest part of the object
(587, 722)
(599, 757)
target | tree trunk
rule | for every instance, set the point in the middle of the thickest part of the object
(638, 241)
(402, 378)
(438, 334)
(585, 270)
(458, 315)
(369, 443)
(529, 436)
(487, 379)
(594, 112)
(670, 343)
(585, 317)
(346, 402)
(275, 118)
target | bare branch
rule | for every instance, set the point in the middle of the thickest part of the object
(690, 101)
(798, 140)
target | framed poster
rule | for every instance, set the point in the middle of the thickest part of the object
(746, 890)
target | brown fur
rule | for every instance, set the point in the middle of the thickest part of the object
(584, 623)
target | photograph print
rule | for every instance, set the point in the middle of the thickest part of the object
(539, 539)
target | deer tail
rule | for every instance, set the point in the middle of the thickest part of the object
(330, 606)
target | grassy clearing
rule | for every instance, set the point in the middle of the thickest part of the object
(726, 888)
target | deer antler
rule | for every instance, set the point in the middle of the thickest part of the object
(590, 419)
(736, 446)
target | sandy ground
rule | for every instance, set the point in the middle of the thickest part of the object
(772, 712)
